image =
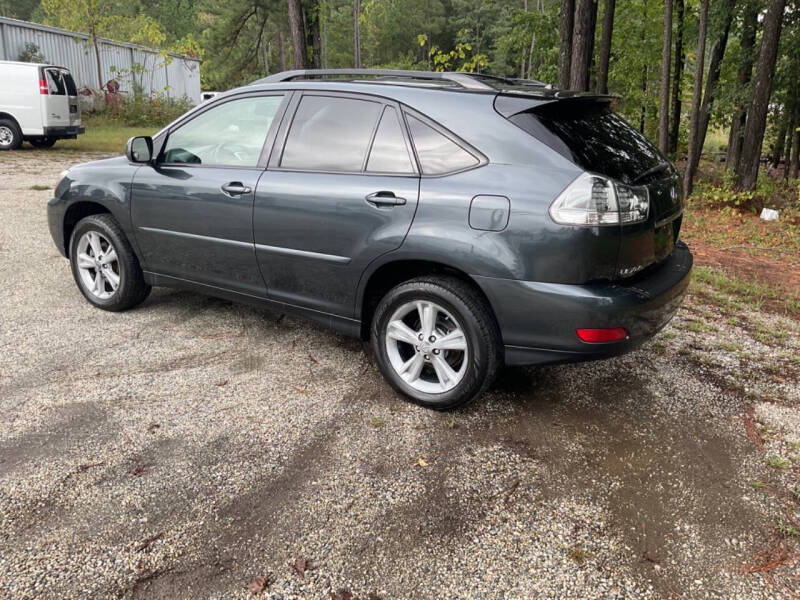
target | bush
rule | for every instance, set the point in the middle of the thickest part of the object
(31, 53)
(146, 111)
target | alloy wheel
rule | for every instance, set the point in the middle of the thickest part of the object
(98, 265)
(6, 136)
(427, 347)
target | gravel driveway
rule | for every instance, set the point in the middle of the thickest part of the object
(187, 447)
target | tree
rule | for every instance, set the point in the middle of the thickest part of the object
(747, 173)
(81, 15)
(582, 44)
(694, 119)
(605, 46)
(747, 44)
(298, 33)
(566, 20)
(356, 41)
(666, 47)
(677, 80)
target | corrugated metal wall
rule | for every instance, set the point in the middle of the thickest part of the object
(179, 78)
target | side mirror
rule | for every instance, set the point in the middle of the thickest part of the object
(139, 149)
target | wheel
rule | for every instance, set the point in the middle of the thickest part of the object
(10, 135)
(104, 265)
(436, 341)
(42, 142)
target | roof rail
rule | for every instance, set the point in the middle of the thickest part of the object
(467, 81)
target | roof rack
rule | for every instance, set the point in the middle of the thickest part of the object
(467, 81)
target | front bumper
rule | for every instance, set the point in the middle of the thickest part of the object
(64, 131)
(538, 320)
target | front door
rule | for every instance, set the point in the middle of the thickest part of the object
(342, 192)
(193, 210)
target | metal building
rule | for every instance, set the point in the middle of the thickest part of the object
(176, 78)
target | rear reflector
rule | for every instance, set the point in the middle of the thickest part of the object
(611, 334)
(42, 86)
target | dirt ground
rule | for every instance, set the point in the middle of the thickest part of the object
(194, 448)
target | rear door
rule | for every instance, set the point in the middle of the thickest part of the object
(72, 97)
(55, 104)
(341, 190)
(193, 210)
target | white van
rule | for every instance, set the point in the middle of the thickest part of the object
(38, 104)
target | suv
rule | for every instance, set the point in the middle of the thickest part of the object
(457, 221)
(38, 104)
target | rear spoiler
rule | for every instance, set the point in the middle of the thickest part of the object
(509, 105)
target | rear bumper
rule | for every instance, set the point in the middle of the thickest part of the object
(64, 131)
(538, 320)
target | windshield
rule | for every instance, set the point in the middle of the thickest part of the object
(594, 138)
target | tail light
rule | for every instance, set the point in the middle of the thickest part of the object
(43, 86)
(608, 334)
(596, 200)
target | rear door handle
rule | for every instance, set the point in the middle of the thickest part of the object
(235, 188)
(385, 199)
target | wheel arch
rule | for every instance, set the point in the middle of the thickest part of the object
(388, 274)
(8, 115)
(74, 213)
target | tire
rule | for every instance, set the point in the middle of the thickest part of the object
(10, 135)
(43, 142)
(457, 307)
(102, 231)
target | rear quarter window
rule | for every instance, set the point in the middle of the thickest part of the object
(437, 153)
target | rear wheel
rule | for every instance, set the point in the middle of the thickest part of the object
(104, 265)
(43, 142)
(10, 135)
(436, 341)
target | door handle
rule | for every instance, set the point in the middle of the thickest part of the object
(235, 188)
(385, 199)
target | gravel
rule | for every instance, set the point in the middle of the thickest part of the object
(186, 447)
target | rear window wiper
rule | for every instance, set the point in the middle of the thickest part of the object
(659, 167)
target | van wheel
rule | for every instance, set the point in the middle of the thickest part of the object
(104, 265)
(436, 341)
(42, 142)
(10, 135)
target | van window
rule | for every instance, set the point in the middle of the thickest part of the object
(330, 134)
(229, 134)
(55, 82)
(389, 153)
(437, 153)
(69, 82)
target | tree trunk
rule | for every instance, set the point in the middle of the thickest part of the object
(356, 36)
(794, 159)
(663, 109)
(747, 45)
(780, 140)
(312, 27)
(789, 147)
(97, 57)
(694, 120)
(298, 33)
(281, 49)
(566, 22)
(590, 49)
(582, 43)
(677, 83)
(747, 174)
(714, 68)
(605, 47)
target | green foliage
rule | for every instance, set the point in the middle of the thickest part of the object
(146, 111)
(31, 53)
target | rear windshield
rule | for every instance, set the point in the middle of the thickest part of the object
(593, 137)
(55, 82)
(70, 83)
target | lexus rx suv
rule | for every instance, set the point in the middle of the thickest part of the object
(458, 222)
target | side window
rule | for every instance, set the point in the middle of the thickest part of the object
(330, 134)
(389, 153)
(70, 83)
(437, 153)
(231, 134)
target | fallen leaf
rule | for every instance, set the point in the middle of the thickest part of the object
(136, 471)
(343, 595)
(221, 383)
(152, 427)
(258, 585)
(313, 360)
(650, 557)
(301, 565)
(421, 462)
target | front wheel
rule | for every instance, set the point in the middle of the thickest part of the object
(104, 265)
(10, 135)
(436, 341)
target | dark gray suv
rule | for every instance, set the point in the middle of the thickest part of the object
(458, 221)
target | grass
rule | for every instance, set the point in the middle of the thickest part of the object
(578, 554)
(758, 485)
(103, 135)
(778, 462)
(377, 422)
(788, 529)
(751, 293)
(39, 187)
